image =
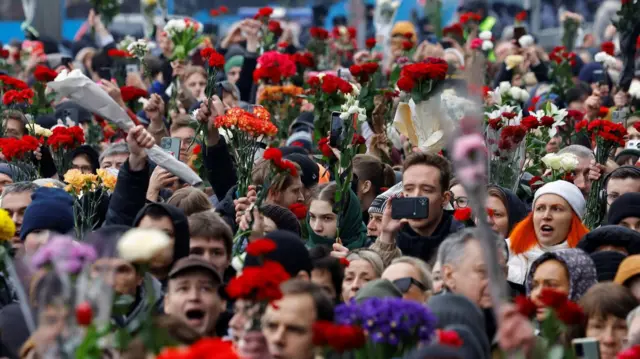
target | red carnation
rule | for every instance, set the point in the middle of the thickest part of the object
(370, 67)
(131, 93)
(462, 214)
(509, 115)
(272, 154)
(259, 283)
(370, 43)
(214, 12)
(216, 60)
(44, 74)
(581, 125)
(338, 337)
(449, 338)
(319, 33)
(299, 210)
(495, 123)
(406, 84)
(455, 30)
(260, 247)
(223, 9)
(570, 313)
(525, 306)
(407, 45)
(608, 47)
(521, 16)
(603, 112)
(287, 166)
(264, 12)
(468, 17)
(197, 149)
(553, 298)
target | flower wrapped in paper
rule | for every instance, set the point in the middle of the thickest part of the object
(424, 124)
(79, 88)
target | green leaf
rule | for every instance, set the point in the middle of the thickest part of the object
(395, 75)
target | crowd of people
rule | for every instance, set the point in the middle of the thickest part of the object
(293, 228)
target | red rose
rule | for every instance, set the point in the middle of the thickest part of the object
(84, 314)
(304, 59)
(525, 306)
(131, 93)
(449, 338)
(608, 47)
(495, 123)
(530, 122)
(355, 70)
(216, 60)
(223, 9)
(370, 67)
(260, 247)
(299, 210)
(319, 33)
(553, 298)
(570, 313)
(314, 81)
(275, 28)
(547, 121)
(407, 45)
(370, 43)
(272, 154)
(197, 149)
(44, 74)
(329, 85)
(345, 87)
(521, 16)
(462, 214)
(406, 84)
(265, 12)
(214, 12)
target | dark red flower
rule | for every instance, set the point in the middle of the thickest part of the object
(314, 81)
(462, 214)
(370, 68)
(216, 60)
(454, 30)
(521, 16)
(338, 337)
(344, 262)
(115, 53)
(509, 115)
(304, 59)
(223, 9)
(530, 122)
(265, 12)
(44, 74)
(435, 69)
(553, 298)
(535, 182)
(449, 338)
(288, 166)
(324, 147)
(406, 84)
(603, 112)
(608, 47)
(4, 53)
(319, 33)
(407, 45)
(370, 43)
(581, 125)
(66, 138)
(575, 115)
(299, 210)
(84, 314)
(468, 17)
(630, 353)
(283, 45)
(275, 28)
(547, 121)
(259, 283)
(260, 247)
(570, 313)
(132, 93)
(358, 139)
(525, 306)
(214, 12)
(495, 123)
(355, 70)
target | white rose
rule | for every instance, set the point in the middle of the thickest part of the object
(601, 56)
(552, 161)
(504, 87)
(487, 45)
(634, 89)
(524, 95)
(515, 92)
(486, 35)
(568, 161)
(526, 41)
(141, 245)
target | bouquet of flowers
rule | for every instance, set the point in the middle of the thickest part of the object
(558, 167)
(42, 101)
(505, 94)
(419, 80)
(18, 153)
(245, 130)
(607, 137)
(274, 68)
(271, 29)
(369, 77)
(88, 191)
(505, 134)
(319, 46)
(258, 285)
(393, 326)
(131, 96)
(542, 125)
(337, 338)
(570, 25)
(140, 49)
(283, 102)
(186, 36)
(62, 141)
(18, 98)
(327, 93)
(561, 63)
(561, 314)
(107, 9)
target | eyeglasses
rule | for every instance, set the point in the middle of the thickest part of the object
(403, 284)
(462, 202)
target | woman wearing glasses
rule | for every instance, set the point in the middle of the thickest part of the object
(412, 277)
(458, 195)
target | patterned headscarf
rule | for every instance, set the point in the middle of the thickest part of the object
(581, 269)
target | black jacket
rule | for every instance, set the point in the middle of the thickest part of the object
(426, 248)
(13, 330)
(227, 210)
(221, 171)
(129, 196)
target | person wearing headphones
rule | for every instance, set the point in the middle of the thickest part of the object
(624, 179)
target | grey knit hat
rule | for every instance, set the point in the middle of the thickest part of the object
(380, 202)
(581, 269)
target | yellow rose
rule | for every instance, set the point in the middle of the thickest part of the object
(75, 178)
(513, 61)
(7, 227)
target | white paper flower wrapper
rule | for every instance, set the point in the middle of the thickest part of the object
(87, 94)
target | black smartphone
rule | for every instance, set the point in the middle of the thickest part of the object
(105, 73)
(219, 90)
(410, 208)
(335, 135)
(518, 32)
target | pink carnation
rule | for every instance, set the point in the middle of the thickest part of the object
(271, 59)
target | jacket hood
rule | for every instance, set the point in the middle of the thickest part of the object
(180, 227)
(581, 269)
(516, 208)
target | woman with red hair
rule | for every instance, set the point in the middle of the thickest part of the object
(555, 222)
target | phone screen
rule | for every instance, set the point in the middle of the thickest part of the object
(336, 129)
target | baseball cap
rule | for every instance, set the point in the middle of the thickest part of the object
(190, 263)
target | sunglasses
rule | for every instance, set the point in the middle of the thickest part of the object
(403, 284)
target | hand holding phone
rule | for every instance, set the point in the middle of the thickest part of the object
(410, 208)
(336, 133)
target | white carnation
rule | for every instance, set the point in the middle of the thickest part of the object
(141, 245)
(553, 161)
(505, 86)
(526, 41)
(486, 35)
(487, 45)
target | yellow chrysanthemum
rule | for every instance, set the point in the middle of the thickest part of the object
(7, 227)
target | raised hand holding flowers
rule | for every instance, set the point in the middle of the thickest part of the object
(326, 93)
(186, 35)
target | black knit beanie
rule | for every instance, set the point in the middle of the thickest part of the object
(290, 252)
(627, 205)
(282, 217)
